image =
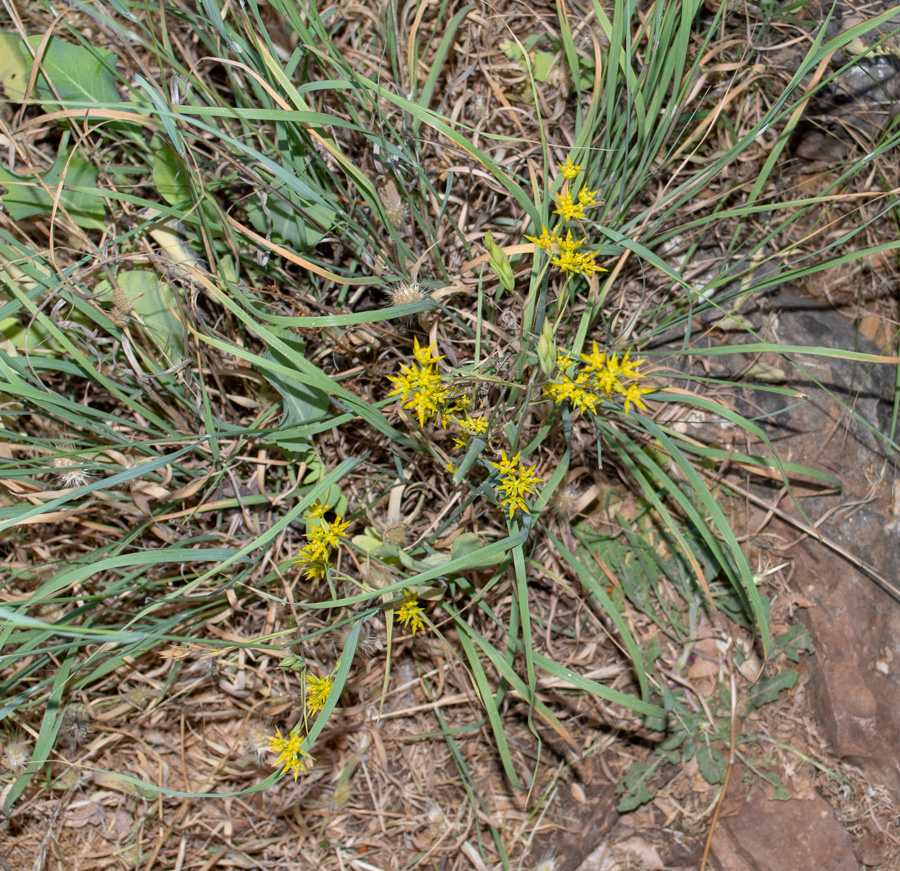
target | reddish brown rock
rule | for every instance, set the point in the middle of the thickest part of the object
(769, 835)
(855, 625)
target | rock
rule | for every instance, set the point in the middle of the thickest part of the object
(870, 850)
(855, 685)
(587, 828)
(857, 103)
(855, 625)
(767, 835)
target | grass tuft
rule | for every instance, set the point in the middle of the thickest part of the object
(389, 331)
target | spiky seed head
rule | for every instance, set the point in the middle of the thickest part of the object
(342, 792)
(256, 742)
(367, 641)
(67, 473)
(436, 817)
(379, 577)
(69, 780)
(406, 292)
(547, 863)
(209, 668)
(395, 209)
(16, 755)
(478, 107)
(51, 613)
(397, 213)
(565, 501)
(76, 725)
(397, 535)
(138, 696)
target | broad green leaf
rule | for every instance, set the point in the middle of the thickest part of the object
(17, 337)
(711, 763)
(170, 177)
(292, 222)
(793, 642)
(469, 543)
(766, 691)
(633, 787)
(302, 403)
(13, 67)
(26, 197)
(155, 301)
(368, 544)
(77, 73)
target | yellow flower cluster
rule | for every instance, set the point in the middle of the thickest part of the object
(317, 690)
(420, 386)
(410, 614)
(469, 426)
(570, 209)
(568, 260)
(515, 482)
(321, 538)
(568, 169)
(292, 755)
(603, 376)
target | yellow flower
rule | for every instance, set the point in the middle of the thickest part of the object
(470, 426)
(321, 537)
(293, 756)
(545, 240)
(426, 356)
(315, 566)
(587, 198)
(563, 361)
(579, 393)
(633, 394)
(420, 386)
(628, 367)
(474, 425)
(506, 466)
(568, 261)
(586, 265)
(602, 375)
(568, 169)
(317, 690)
(560, 391)
(410, 614)
(317, 510)
(596, 360)
(569, 210)
(335, 531)
(515, 482)
(570, 244)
